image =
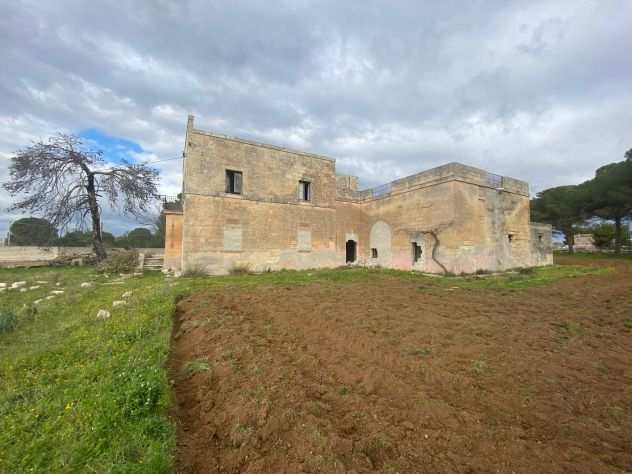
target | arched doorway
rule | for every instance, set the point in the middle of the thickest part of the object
(351, 253)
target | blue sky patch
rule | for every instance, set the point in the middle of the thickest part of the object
(114, 149)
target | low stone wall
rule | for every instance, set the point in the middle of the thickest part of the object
(24, 256)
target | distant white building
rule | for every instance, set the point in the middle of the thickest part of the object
(585, 243)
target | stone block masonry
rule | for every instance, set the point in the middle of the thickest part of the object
(248, 204)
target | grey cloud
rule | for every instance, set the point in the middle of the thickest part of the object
(538, 90)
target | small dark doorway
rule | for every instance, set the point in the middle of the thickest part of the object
(416, 252)
(351, 251)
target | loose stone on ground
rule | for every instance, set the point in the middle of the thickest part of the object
(103, 314)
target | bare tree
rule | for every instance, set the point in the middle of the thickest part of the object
(62, 180)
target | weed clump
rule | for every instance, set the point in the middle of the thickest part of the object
(422, 351)
(8, 320)
(482, 271)
(194, 269)
(28, 313)
(240, 269)
(195, 367)
(138, 391)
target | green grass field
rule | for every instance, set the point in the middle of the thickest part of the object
(594, 255)
(79, 394)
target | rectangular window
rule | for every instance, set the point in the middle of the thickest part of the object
(373, 253)
(233, 182)
(416, 252)
(305, 190)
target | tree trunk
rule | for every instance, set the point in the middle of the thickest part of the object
(97, 241)
(570, 240)
(617, 235)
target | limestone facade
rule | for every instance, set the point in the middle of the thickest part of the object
(262, 207)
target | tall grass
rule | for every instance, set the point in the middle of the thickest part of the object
(81, 395)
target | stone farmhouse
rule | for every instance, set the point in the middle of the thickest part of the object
(263, 207)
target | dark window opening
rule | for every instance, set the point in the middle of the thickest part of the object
(539, 237)
(510, 237)
(305, 190)
(373, 253)
(416, 252)
(233, 182)
(351, 251)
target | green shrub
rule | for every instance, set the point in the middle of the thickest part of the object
(119, 262)
(8, 320)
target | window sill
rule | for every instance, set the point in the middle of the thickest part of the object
(232, 196)
(305, 203)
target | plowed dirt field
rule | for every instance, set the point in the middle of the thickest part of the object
(393, 375)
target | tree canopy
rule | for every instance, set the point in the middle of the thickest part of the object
(75, 238)
(32, 231)
(562, 207)
(139, 237)
(611, 196)
(607, 196)
(604, 234)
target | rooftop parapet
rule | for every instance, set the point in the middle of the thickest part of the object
(191, 130)
(449, 172)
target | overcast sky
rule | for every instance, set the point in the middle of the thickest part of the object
(537, 90)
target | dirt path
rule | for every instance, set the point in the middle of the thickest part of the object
(392, 376)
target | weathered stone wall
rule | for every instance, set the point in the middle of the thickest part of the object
(474, 219)
(31, 255)
(265, 227)
(346, 187)
(270, 174)
(412, 216)
(541, 244)
(352, 223)
(173, 240)
(492, 231)
(223, 233)
(23, 255)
